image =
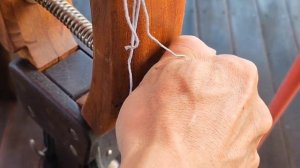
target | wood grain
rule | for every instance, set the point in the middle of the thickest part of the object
(5, 41)
(35, 34)
(110, 76)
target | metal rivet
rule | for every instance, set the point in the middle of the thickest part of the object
(40, 153)
(74, 134)
(73, 150)
(31, 112)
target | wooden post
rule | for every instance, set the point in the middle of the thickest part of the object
(34, 33)
(110, 85)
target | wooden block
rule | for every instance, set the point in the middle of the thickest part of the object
(35, 32)
(81, 101)
(110, 85)
(73, 75)
(11, 27)
(5, 41)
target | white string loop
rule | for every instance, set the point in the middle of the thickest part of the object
(135, 41)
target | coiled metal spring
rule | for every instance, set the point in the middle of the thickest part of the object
(71, 18)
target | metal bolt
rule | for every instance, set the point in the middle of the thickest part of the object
(109, 152)
(73, 150)
(31, 112)
(114, 164)
(74, 134)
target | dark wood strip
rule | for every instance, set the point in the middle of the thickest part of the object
(5, 112)
(214, 27)
(5, 85)
(249, 44)
(190, 26)
(282, 49)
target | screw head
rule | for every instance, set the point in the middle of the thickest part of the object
(73, 150)
(109, 152)
(74, 134)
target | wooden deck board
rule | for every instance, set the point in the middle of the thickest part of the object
(294, 11)
(190, 26)
(292, 116)
(4, 115)
(281, 48)
(213, 24)
(279, 37)
(15, 151)
(249, 44)
(292, 126)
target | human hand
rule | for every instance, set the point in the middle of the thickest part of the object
(198, 111)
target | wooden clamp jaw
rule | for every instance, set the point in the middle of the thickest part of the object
(34, 33)
(110, 84)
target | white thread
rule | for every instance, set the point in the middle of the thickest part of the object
(134, 37)
(135, 41)
(99, 158)
(151, 36)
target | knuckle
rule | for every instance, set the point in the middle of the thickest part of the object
(267, 121)
(251, 67)
(192, 38)
(245, 67)
(256, 160)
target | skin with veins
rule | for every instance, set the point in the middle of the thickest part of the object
(202, 110)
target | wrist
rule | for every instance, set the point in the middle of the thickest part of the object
(153, 156)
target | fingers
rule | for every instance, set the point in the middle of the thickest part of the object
(190, 47)
(263, 121)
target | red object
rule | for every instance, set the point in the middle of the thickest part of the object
(286, 92)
